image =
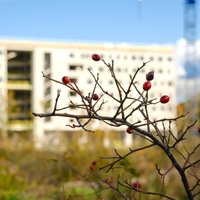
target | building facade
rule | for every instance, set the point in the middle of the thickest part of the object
(24, 90)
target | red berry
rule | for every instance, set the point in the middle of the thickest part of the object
(129, 130)
(94, 162)
(150, 76)
(198, 130)
(164, 99)
(65, 79)
(96, 57)
(147, 85)
(91, 167)
(136, 184)
(95, 97)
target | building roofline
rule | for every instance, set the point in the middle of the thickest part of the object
(31, 44)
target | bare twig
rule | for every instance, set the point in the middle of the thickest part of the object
(147, 129)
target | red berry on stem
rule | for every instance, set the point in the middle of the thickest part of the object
(136, 184)
(150, 76)
(96, 57)
(94, 162)
(164, 99)
(91, 167)
(65, 79)
(129, 130)
(95, 97)
(146, 85)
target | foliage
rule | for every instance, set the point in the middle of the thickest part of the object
(29, 174)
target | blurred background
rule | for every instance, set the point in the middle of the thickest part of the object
(58, 37)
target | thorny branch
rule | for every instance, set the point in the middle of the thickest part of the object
(147, 129)
(118, 158)
(128, 185)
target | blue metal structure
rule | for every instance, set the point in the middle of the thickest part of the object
(191, 62)
(190, 34)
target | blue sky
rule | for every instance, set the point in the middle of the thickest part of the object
(130, 21)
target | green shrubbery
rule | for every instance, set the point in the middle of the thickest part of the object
(29, 174)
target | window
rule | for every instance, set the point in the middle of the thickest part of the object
(46, 80)
(47, 108)
(151, 58)
(142, 71)
(169, 59)
(133, 57)
(73, 80)
(170, 83)
(47, 60)
(47, 119)
(100, 69)
(19, 65)
(151, 95)
(141, 57)
(89, 81)
(134, 70)
(71, 55)
(47, 91)
(118, 57)
(122, 135)
(72, 93)
(169, 71)
(162, 108)
(85, 55)
(110, 82)
(74, 67)
(119, 69)
(154, 108)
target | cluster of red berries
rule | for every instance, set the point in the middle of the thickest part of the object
(149, 78)
(93, 165)
(147, 86)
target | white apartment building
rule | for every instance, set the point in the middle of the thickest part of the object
(23, 90)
